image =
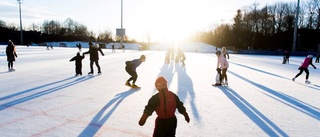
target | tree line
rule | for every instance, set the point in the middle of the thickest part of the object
(268, 28)
(52, 30)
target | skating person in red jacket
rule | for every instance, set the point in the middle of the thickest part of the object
(304, 67)
(165, 104)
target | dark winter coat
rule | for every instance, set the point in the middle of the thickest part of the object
(78, 60)
(11, 53)
(93, 51)
(133, 64)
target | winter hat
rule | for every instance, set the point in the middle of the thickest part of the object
(161, 83)
(143, 57)
(95, 46)
(218, 52)
(309, 56)
(90, 43)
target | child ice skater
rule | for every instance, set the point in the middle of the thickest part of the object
(304, 67)
(131, 67)
(78, 62)
(165, 104)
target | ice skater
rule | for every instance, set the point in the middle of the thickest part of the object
(304, 67)
(78, 62)
(94, 56)
(11, 55)
(286, 57)
(317, 58)
(225, 52)
(131, 67)
(165, 104)
(223, 65)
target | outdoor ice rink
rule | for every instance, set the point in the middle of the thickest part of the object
(43, 97)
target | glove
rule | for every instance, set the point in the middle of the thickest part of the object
(143, 119)
(186, 117)
(218, 69)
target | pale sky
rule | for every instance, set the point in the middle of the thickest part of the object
(162, 20)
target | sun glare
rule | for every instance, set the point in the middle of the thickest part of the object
(170, 21)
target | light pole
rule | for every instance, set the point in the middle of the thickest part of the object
(21, 37)
(121, 40)
(294, 44)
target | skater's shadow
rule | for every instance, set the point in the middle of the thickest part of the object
(99, 119)
(255, 115)
(260, 70)
(4, 72)
(32, 93)
(185, 88)
(295, 103)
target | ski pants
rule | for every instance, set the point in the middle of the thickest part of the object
(224, 74)
(165, 127)
(305, 70)
(132, 73)
(97, 64)
(79, 69)
(10, 64)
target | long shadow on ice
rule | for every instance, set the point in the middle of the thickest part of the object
(185, 88)
(100, 118)
(260, 70)
(255, 115)
(286, 99)
(37, 94)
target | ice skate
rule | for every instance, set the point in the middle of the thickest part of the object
(217, 84)
(293, 79)
(135, 86)
(226, 83)
(222, 82)
(99, 72)
(90, 73)
(307, 82)
(128, 83)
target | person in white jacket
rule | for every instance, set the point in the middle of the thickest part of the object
(223, 65)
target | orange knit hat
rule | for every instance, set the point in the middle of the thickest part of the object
(161, 83)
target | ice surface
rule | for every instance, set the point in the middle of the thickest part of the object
(43, 98)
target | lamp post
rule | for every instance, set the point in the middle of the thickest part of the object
(121, 40)
(294, 44)
(21, 37)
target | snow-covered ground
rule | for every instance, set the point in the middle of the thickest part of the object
(43, 98)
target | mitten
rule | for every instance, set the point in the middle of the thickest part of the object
(186, 117)
(143, 119)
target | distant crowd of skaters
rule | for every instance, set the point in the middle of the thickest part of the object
(164, 102)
